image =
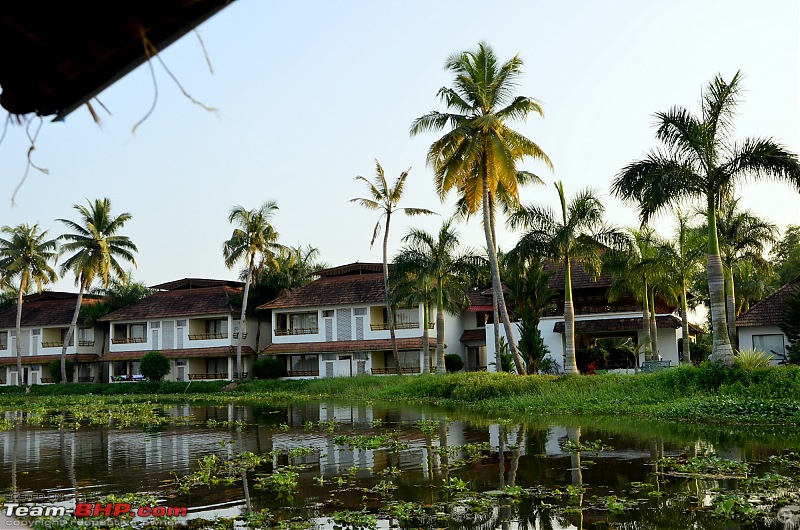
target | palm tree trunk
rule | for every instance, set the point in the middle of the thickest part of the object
(648, 346)
(687, 354)
(19, 335)
(653, 325)
(426, 347)
(496, 284)
(498, 357)
(570, 367)
(71, 330)
(389, 313)
(730, 304)
(441, 369)
(721, 349)
(242, 321)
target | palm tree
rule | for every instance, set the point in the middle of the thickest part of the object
(386, 199)
(578, 234)
(27, 255)
(95, 249)
(437, 256)
(410, 288)
(702, 161)
(478, 156)
(253, 236)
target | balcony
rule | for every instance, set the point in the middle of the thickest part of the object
(384, 326)
(86, 343)
(207, 336)
(296, 331)
(54, 344)
(129, 340)
(236, 335)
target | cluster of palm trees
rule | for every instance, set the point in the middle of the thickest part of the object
(94, 249)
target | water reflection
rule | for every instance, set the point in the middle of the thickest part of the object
(482, 472)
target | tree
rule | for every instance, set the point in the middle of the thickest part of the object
(578, 234)
(478, 156)
(438, 258)
(254, 236)
(701, 160)
(95, 249)
(386, 200)
(154, 366)
(790, 323)
(785, 255)
(26, 255)
(411, 286)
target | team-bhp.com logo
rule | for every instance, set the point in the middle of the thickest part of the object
(88, 509)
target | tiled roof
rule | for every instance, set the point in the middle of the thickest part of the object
(47, 359)
(472, 335)
(190, 353)
(334, 290)
(194, 283)
(43, 312)
(768, 311)
(618, 324)
(180, 303)
(414, 343)
(352, 268)
(580, 278)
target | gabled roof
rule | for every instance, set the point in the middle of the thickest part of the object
(768, 311)
(349, 289)
(44, 310)
(181, 303)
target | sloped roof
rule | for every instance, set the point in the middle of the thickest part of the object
(473, 335)
(618, 324)
(194, 283)
(47, 359)
(58, 55)
(352, 268)
(413, 343)
(44, 311)
(768, 311)
(580, 278)
(180, 303)
(366, 288)
(187, 353)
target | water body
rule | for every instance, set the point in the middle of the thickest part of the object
(420, 467)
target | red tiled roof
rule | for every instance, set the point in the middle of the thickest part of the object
(334, 290)
(190, 353)
(414, 343)
(618, 324)
(180, 303)
(768, 312)
(47, 359)
(471, 335)
(43, 312)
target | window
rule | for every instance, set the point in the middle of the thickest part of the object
(138, 331)
(771, 344)
(406, 318)
(327, 313)
(3, 340)
(217, 327)
(296, 323)
(86, 337)
(130, 333)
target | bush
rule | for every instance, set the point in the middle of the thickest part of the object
(55, 370)
(752, 359)
(155, 366)
(268, 368)
(453, 362)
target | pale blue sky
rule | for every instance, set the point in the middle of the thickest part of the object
(310, 93)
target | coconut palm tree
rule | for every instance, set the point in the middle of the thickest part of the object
(95, 249)
(26, 255)
(411, 287)
(701, 161)
(386, 200)
(479, 155)
(438, 257)
(252, 237)
(577, 234)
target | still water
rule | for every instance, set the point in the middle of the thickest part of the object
(347, 465)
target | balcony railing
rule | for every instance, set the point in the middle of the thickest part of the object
(384, 326)
(218, 375)
(3, 346)
(129, 340)
(85, 343)
(53, 344)
(207, 336)
(296, 331)
(302, 373)
(390, 371)
(236, 335)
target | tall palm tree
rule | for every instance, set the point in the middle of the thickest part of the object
(701, 160)
(478, 156)
(26, 255)
(411, 287)
(386, 199)
(578, 234)
(253, 237)
(95, 249)
(438, 256)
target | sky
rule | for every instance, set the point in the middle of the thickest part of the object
(308, 94)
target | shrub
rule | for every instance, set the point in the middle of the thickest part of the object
(453, 362)
(155, 366)
(268, 368)
(55, 370)
(752, 359)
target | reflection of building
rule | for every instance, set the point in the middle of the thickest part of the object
(337, 326)
(194, 322)
(46, 317)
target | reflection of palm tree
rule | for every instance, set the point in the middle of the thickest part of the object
(577, 473)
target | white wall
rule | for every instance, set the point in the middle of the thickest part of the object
(491, 352)
(746, 337)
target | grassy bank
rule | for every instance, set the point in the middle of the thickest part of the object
(705, 393)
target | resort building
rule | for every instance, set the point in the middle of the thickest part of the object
(46, 317)
(194, 322)
(337, 325)
(759, 326)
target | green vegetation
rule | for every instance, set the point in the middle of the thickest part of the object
(155, 366)
(268, 368)
(453, 363)
(55, 370)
